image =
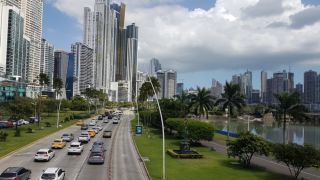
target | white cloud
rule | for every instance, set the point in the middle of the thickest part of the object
(222, 37)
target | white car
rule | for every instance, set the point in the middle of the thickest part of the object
(92, 123)
(53, 173)
(75, 148)
(115, 121)
(99, 127)
(105, 120)
(84, 137)
(44, 155)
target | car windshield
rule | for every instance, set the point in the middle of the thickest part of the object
(65, 134)
(95, 154)
(74, 145)
(57, 140)
(48, 176)
(41, 152)
(7, 175)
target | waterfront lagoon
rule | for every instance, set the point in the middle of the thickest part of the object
(299, 134)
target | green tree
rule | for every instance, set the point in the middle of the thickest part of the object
(202, 102)
(289, 104)
(57, 86)
(146, 90)
(184, 101)
(78, 103)
(296, 157)
(246, 146)
(231, 99)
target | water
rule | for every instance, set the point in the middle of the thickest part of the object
(299, 134)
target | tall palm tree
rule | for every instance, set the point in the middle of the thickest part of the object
(146, 90)
(289, 104)
(231, 99)
(184, 101)
(43, 80)
(57, 85)
(202, 102)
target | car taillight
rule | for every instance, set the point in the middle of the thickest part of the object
(16, 178)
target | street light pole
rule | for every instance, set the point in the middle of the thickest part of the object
(163, 137)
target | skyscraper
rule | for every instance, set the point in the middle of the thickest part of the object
(83, 67)
(299, 89)
(216, 88)
(154, 66)
(12, 60)
(132, 57)
(161, 78)
(246, 85)
(180, 89)
(33, 9)
(264, 77)
(310, 80)
(99, 35)
(170, 83)
(16, 3)
(61, 60)
(47, 60)
(279, 83)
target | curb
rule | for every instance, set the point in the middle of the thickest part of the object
(140, 157)
(109, 171)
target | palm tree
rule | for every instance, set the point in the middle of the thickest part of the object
(146, 90)
(57, 85)
(43, 80)
(289, 104)
(231, 99)
(184, 101)
(202, 102)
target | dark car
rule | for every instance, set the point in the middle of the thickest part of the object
(84, 127)
(97, 144)
(110, 117)
(13, 173)
(100, 117)
(107, 134)
(96, 156)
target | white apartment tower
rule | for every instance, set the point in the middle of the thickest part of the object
(33, 10)
(98, 35)
(16, 3)
(83, 67)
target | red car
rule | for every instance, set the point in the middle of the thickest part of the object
(6, 124)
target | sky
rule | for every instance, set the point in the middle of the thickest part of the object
(208, 39)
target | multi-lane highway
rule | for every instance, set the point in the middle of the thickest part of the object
(76, 166)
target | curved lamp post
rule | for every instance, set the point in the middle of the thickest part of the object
(163, 137)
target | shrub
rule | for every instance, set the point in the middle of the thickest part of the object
(197, 130)
(47, 124)
(81, 116)
(193, 155)
(29, 130)
(296, 157)
(3, 136)
(245, 146)
(17, 133)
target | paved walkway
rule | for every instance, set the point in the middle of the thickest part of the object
(273, 166)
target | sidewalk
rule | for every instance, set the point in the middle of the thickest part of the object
(273, 166)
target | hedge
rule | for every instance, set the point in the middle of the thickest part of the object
(197, 130)
(195, 155)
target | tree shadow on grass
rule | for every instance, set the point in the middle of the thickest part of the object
(233, 164)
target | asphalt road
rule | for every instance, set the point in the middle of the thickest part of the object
(76, 166)
(125, 162)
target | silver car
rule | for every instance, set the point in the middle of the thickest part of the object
(13, 173)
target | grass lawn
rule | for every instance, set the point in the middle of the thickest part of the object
(221, 138)
(213, 166)
(14, 143)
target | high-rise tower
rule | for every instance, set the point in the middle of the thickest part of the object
(33, 9)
